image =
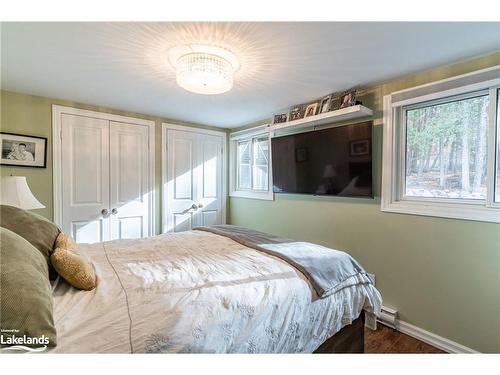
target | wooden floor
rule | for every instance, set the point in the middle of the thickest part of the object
(388, 340)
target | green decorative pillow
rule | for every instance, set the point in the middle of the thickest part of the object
(25, 294)
(37, 230)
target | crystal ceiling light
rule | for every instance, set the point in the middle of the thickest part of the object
(204, 69)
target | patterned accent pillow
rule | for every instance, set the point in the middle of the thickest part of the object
(72, 265)
(64, 242)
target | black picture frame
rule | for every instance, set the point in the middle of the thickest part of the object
(348, 98)
(281, 118)
(27, 138)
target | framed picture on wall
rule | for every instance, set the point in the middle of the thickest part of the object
(23, 150)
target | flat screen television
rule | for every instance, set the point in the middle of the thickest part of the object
(335, 161)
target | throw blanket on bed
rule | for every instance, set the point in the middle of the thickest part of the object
(326, 269)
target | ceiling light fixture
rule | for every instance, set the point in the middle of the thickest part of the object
(204, 69)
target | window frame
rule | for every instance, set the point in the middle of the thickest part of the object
(403, 139)
(244, 136)
(494, 144)
(394, 155)
(254, 160)
(237, 161)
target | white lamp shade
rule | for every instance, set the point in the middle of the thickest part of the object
(16, 192)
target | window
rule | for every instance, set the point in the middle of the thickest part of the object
(442, 150)
(253, 164)
(446, 148)
(250, 167)
(244, 165)
(260, 166)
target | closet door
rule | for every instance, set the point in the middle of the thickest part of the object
(182, 180)
(194, 177)
(85, 177)
(130, 188)
(209, 199)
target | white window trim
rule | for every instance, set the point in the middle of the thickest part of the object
(248, 134)
(393, 160)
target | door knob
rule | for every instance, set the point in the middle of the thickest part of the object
(200, 205)
(114, 211)
(194, 207)
(104, 212)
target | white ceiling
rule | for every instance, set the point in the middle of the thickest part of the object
(123, 65)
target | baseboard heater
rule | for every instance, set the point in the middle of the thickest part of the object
(388, 317)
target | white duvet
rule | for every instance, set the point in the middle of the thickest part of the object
(197, 292)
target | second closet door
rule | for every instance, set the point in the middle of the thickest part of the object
(194, 180)
(129, 180)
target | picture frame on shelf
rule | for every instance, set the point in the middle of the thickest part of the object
(311, 109)
(348, 98)
(325, 104)
(297, 112)
(281, 118)
(334, 102)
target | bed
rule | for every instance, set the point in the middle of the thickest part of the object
(202, 292)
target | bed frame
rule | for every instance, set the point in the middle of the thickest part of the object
(350, 339)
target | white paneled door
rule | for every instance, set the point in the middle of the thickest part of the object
(106, 179)
(85, 172)
(129, 185)
(193, 178)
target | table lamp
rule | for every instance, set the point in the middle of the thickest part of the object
(16, 192)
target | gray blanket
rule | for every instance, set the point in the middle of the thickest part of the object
(326, 269)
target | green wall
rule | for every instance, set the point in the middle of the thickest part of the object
(442, 275)
(32, 115)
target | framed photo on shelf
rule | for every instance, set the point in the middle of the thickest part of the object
(311, 109)
(278, 119)
(297, 112)
(23, 150)
(334, 102)
(325, 104)
(360, 148)
(347, 99)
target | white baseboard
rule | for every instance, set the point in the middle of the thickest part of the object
(432, 339)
